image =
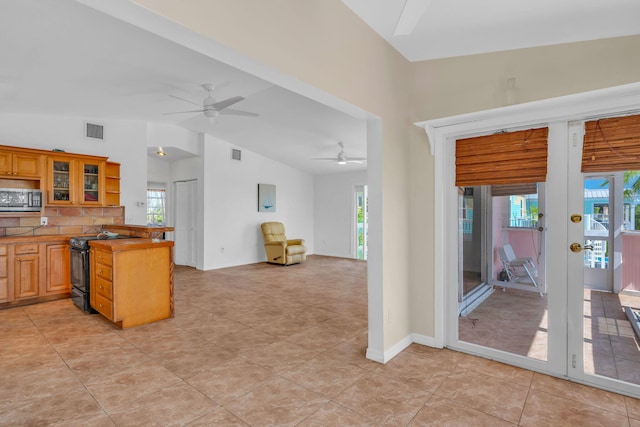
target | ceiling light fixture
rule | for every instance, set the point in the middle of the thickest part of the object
(161, 152)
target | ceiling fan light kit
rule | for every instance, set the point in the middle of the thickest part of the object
(342, 158)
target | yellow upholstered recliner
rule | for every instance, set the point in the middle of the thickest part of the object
(280, 250)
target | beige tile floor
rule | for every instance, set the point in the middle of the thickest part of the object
(516, 321)
(266, 345)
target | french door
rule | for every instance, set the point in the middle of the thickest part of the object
(576, 328)
(602, 344)
(574, 322)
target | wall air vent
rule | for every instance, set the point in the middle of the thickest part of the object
(236, 154)
(94, 131)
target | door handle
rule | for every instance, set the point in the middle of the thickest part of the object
(577, 247)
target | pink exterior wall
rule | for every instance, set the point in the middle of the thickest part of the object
(631, 261)
(523, 241)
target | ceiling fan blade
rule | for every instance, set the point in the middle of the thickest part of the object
(183, 112)
(354, 161)
(334, 159)
(231, 112)
(226, 103)
(186, 100)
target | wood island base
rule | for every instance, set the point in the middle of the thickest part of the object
(132, 280)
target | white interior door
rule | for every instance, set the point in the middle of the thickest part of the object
(186, 223)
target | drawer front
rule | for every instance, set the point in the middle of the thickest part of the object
(3, 250)
(26, 249)
(104, 258)
(104, 306)
(103, 271)
(103, 287)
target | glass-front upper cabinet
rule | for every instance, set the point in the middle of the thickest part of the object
(61, 181)
(91, 182)
(75, 180)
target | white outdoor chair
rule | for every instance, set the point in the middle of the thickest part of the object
(518, 269)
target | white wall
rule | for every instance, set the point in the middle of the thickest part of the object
(228, 193)
(231, 204)
(334, 212)
(125, 142)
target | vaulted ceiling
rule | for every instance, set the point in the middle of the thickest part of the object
(64, 58)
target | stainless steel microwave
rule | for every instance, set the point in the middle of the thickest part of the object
(20, 200)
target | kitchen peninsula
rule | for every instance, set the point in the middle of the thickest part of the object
(132, 280)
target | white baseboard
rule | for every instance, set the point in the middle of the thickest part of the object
(425, 340)
(375, 355)
(384, 357)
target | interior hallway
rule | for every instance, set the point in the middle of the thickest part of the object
(266, 345)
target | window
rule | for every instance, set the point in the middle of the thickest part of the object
(156, 206)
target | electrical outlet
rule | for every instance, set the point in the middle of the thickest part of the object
(221, 250)
(44, 220)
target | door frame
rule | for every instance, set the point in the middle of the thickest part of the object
(558, 114)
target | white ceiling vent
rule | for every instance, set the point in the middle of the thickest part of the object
(236, 154)
(94, 131)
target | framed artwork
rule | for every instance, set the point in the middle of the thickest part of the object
(266, 198)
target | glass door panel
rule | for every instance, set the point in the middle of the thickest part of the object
(61, 181)
(501, 286)
(611, 309)
(597, 233)
(361, 222)
(91, 183)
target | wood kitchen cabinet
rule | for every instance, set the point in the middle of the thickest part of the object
(75, 180)
(5, 294)
(34, 271)
(18, 164)
(26, 271)
(132, 280)
(58, 269)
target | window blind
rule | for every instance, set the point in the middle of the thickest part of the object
(503, 158)
(514, 189)
(611, 144)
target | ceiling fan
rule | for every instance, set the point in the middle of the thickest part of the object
(212, 108)
(342, 158)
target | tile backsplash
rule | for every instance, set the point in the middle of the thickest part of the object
(63, 220)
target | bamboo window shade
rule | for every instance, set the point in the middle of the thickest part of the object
(611, 145)
(503, 158)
